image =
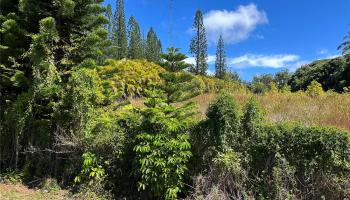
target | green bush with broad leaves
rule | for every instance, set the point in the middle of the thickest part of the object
(163, 148)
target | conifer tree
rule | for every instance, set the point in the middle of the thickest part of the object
(198, 46)
(220, 62)
(154, 46)
(109, 16)
(174, 60)
(43, 40)
(135, 41)
(120, 36)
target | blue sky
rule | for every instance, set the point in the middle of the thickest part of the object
(261, 36)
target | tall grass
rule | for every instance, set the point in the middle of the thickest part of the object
(328, 110)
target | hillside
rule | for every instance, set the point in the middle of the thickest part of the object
(333, 74)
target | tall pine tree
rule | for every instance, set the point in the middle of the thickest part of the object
(109, 16)
(119, 29)
(198, 46)
(135, 41)
(154, 46)
(42, 41)
(220, 62)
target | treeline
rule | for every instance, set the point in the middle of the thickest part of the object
(332, 74)
(126, 39)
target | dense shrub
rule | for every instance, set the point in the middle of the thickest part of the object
(278, 161)
(129, 78)
(314, 89)
(224, 122)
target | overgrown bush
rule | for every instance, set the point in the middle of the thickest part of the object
(162, 148)
(224, 122)
(281, 161)
(314, 89)
(129, 78)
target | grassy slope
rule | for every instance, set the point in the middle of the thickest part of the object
(327, 110)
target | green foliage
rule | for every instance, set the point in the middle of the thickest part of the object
(231, 76)
(91, 178)
(211, 84)
(224, 122)
(173, 61)
(11, 176)
(220, 62)
(50, 185)
(91, 169)
(281, 78)
(285, 161)
(180, 86)
(85, 94)
(252, 118)
(153, 47)
(119, 31)
(269, 83)
(135, 41)
(163, 148)
(260, 84)
(198, 46)
(229, 161)
(129, 78)
(314, 89)
(330, 73)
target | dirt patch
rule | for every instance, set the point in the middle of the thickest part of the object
(22, 192)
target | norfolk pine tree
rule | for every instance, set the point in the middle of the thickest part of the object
(119, 35)
(154, 46)
(198, 46)
(173, 61)
(135, 41)
(220, 62)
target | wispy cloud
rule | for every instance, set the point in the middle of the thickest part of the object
(290, 61)
(192, 60)
(326, 54)
(322, 51)
(271, 61)
(235, 25)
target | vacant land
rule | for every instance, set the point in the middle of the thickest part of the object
(328, 110)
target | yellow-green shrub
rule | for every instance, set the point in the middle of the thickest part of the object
(212, 84)
(129, 78)
(314, 89)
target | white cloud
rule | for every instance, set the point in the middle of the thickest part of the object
(290, 61)
(192, 60)
(332, 56)
(322, 51)
(271, 61)
(235, 25)
(326, 54)
(211, 59)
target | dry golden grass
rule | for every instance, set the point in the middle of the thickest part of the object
(327, 110)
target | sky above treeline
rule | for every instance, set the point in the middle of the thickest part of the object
(261, 36)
